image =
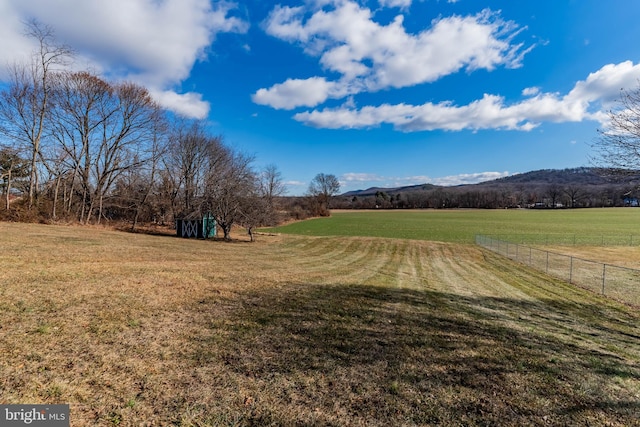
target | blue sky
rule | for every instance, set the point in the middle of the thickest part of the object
(380, 93)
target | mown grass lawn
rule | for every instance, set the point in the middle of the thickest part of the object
(463, 225)
(133, 330)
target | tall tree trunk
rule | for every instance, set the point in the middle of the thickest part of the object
(55, 196)
(139, 205)
(65, 200)
(90, 209)
(100, 204)
(83, 207)
(33, 180)
(8, 190)
(226, 229)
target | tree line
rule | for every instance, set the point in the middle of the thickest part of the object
(78, 147)
(499, 196)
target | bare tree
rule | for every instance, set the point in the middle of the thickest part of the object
(24, 105)
(142, 180)
(553, 192)
(254, 211)
(12, 166)
(105, 129)
(81, 100)
(186, 165)
(618, 146)
(231, 188)
(258, 204)
(271, 187)
(574, 193)
(322, 188)
(59, 173)
(166, 192)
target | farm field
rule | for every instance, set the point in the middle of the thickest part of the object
(133, 329)
(462, 226)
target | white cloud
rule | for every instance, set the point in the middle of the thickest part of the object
(605, 84)
(361, 177)
(295, 92)
(362, 180)
(155, 43)
(14, 45)
(584, 102)
(403, 4)
(369, 56)
(531, 91)
(469, 178)
(488, 112)
(186, 104)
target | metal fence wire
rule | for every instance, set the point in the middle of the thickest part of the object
(620, 283)
(566, 239)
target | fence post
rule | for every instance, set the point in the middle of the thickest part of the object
(571, 270)
(547, 269)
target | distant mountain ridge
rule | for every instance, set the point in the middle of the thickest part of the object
(584, 176)
(373, 190)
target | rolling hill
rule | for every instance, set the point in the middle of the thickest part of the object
(547, 188)
(583, 176)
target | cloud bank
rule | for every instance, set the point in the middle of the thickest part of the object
(369, 56)
(585, 101)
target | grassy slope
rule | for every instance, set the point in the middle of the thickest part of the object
(463, 225)
(297, 330)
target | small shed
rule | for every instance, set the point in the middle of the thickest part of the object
(196, 227)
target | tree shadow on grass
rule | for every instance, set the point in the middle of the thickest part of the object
(366, 355)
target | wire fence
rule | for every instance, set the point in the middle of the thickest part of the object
(564, 239)
(617, 282)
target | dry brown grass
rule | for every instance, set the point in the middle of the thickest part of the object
(131, 329)
(623, 256)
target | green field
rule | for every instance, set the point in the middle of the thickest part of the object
(461, 226)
